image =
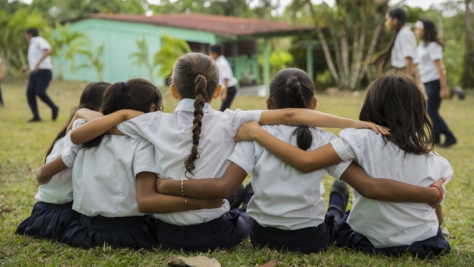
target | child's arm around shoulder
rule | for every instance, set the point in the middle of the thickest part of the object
(313, 118)
(101, 125)
(48, 170)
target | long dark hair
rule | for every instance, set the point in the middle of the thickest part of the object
(385, 56)
(430, 33)
(195, 76)
(293, 88)
(396, 102)
(91, 98)
(137, 94)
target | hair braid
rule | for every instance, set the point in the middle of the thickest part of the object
(199, 102)
(293, 88)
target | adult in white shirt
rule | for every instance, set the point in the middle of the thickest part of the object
(226, 76)
(430, 63)
(1, 79)
(402, 47)
(39, 64)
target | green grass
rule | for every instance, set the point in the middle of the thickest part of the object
(22, 148)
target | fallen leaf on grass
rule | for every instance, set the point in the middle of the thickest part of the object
(199, 261)
(270, 264)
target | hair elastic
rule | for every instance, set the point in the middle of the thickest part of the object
(124, 86)
(400, 22)
(195, 142)
(199, 73)
(304, 126)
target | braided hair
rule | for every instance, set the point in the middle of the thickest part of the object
(195, 76)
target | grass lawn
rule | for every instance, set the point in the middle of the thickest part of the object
(23, 146)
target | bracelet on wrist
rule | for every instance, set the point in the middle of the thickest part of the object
(440, 194)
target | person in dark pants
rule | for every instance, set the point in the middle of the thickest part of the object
(39, 64)
(430, 63)
(226, 76)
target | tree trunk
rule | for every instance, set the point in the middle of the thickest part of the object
(468, 80)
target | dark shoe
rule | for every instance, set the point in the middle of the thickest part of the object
(459, 92)
(34, 120)
(236, 199)
(449, 143)
(340, 188)
(55, 113)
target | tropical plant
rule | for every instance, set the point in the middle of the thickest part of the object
(171, 49)
(95, 60)
(141, 57)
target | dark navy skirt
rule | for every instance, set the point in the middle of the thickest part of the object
(48, 220)
(433, 246)
(224, 232)
(306, 240)
(120, 232)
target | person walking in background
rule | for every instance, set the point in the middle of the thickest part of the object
(430, 63)
(39, 64)
(226, 76)
(1, 79)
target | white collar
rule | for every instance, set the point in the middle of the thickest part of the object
(187, 104)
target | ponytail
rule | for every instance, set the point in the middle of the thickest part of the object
(200, 96)
(304, 137)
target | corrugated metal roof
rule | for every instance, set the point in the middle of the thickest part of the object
(220, 25)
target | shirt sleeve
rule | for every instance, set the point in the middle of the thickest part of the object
(336, 170)
(43, 44)
(138, 127)
(408, 44)
(144, 158)
(244, 156)
(448, 174)
(435, 51)
(347, 145)
(236, 118)
(69, 152)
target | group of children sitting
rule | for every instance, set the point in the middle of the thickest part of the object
(125, 174)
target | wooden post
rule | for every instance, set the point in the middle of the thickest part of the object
(266, 65)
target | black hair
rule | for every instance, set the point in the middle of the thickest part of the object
(293, 88)
(218, 49)
(137, 94)
(33, 31)
(195, 76)
(397, 103)
(91, 98)
(385, 56)
(430, 33)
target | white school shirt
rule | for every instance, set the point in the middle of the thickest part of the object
(389, 224)
(59, 189)
(426, 57)
(171, 136)
(405, 46)
(285, 198)
(225, 72)
(104, 176)
(36, 51)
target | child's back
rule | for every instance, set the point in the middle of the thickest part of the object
(389, 224)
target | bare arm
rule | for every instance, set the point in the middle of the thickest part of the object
(85, 114)
(224, 91)
(303, 161)
(151, 202)
(442, 79)
(440, 214)
(210, 188)
(313, 118)
(48, 170)
(102, 125)
(409, 61)
(386, 189)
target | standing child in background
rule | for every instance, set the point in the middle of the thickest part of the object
(402, 47)
(405, 155)
(430, 63)
(53, 212)
(226, 76)
(287, 208)
(105, 172)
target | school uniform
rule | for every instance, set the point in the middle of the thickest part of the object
(196, 230)
(405, 46)
(288, 208)
(105, 195)
(225, 72)
(53, 211)
(39, 80)
(391, 228)
(430, 78)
